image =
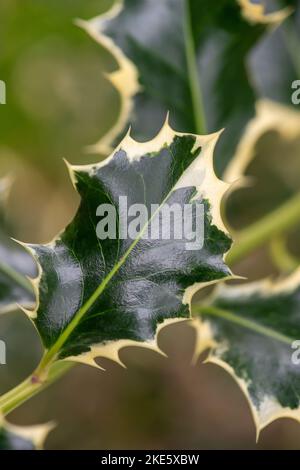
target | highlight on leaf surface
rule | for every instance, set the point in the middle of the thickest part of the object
(182, 56)
(23, 437)
(15, 265)
(253, 332)
(95, 296)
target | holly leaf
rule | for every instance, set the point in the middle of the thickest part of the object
(273, 132)
(98, 295)
(275, 63)
(15, 265)
(23, 438)
(253, 332)
(176, 54)
(266, 186)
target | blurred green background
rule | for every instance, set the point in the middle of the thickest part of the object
(59, 103)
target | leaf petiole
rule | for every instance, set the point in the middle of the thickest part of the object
(276, 223)
(193, 76)
(30, 387)
(17, 277)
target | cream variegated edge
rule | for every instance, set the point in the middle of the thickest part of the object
(37, 434)
(256, 13)
(270, 409)
(269, 116)
(126, 78)
(199, 174)
(15, 307)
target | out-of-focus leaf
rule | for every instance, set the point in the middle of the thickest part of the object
(170, 53)
(56, 93)
(23, 438)
(96, 296)
(268, 159)
(253, 331)
(15, 265)
(276, 61)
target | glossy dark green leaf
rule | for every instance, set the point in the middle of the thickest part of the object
(179, 50)
(98, 295)
(256, 333)
(15, 265)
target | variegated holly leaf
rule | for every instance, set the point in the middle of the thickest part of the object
(276, 63)
(274, 132)
(173, 55)
(254, 333)
(269, 189)
(23, 438)
(15, 265)
(97, 295)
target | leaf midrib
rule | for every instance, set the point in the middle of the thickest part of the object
(200, 126)
(243, 322)
(52, 353)
(192, 72)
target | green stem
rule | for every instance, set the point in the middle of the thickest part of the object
(281, 257)
(194, 80)
(30, 387)
(244, 322)
(20, 279)
(276, 223)
(18, 395)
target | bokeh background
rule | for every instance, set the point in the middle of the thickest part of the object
(58, 104)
